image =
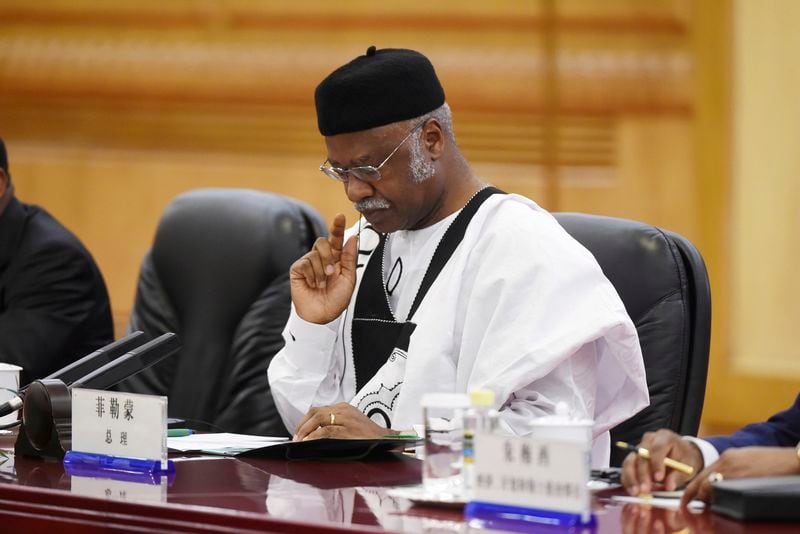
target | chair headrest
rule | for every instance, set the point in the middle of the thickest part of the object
(215, 249)
(637, 258)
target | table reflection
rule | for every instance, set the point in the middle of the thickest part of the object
(343, 493)
(287, 499)
(35, 472)
(121, 489)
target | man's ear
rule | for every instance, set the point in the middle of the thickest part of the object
(433, 138)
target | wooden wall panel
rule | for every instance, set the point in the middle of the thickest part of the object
(113, 199)
(736, 394)
(109, 110)
(766, 189)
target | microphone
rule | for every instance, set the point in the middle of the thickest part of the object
(47, 419)
(98, 358)
(131, 363)
(79, 368)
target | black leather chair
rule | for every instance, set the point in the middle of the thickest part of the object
(217, 275)
(663, 283)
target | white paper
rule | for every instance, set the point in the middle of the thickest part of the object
(658, 502)
(222, 442)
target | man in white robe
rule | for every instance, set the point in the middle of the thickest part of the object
(449, 285)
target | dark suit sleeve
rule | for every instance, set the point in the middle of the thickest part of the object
(781, 430)
(48, 301)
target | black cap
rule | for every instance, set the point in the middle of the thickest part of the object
(378, 88)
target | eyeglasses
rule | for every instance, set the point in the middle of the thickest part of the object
(365, 173)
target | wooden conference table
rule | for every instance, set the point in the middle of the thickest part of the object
(215, 494)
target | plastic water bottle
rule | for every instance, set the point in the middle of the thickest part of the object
(479, 418)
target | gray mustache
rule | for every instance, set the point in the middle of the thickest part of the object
(371, 203)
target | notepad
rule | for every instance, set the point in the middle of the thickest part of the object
(761, 498)
(342, 449)
(227, 444)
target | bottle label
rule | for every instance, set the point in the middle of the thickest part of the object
(469, 447)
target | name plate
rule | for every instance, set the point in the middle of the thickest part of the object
(125, 425)
(537, 473)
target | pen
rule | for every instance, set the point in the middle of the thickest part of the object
(669, 462)
(401, 436)
(179, 432)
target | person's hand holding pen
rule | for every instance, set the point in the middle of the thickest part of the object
(323, 280)
(639, 474)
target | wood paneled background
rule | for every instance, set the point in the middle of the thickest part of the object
(618, 107)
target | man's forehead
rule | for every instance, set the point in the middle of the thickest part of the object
(358, 147)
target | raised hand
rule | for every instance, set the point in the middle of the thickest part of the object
(323, 280)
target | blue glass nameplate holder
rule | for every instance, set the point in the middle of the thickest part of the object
(118, 432)
(530, 483)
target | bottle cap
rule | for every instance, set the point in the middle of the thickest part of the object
(481, 397)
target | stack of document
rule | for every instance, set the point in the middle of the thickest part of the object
(225, 444)
(668, 499)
